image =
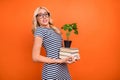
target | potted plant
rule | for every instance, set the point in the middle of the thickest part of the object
(69, 28)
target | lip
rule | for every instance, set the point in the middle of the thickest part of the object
(44, 21)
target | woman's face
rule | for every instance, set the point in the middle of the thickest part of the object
(43, 17)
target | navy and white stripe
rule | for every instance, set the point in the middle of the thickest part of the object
(52, 43)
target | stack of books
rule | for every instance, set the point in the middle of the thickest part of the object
(65, 52)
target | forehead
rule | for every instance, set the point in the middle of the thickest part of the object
(42, 11)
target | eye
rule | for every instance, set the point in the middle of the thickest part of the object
(46, 14)
(38, 15)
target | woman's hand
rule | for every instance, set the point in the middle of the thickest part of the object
(65, 60)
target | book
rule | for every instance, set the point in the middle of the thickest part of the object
(76, 56)
(65, 52)
(69, 49)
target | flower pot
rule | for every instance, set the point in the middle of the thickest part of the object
(67, 43)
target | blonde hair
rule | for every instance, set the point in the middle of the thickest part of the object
(35, 22)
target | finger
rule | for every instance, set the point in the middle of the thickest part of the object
(68, 58)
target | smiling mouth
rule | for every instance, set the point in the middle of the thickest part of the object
(44, 21)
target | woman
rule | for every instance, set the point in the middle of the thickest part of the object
(48, 36)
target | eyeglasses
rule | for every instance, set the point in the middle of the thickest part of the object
(43, 15)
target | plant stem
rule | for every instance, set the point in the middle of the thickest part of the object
(68, 35)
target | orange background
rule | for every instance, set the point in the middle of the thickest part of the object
(98, 39)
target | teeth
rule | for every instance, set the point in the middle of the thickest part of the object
(44, 20)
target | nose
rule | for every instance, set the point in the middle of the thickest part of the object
(44, 16)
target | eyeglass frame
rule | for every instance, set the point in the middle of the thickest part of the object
(43, 15)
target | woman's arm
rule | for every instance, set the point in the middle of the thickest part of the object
(39, 58)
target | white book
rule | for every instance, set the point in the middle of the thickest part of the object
(65, 54)
(76, 56)
(69, 49)
(68, 53)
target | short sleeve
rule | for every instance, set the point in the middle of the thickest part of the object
(39, 32)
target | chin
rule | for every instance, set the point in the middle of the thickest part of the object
(45, 24)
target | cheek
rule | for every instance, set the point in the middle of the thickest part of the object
(39, 21)
(48, 19)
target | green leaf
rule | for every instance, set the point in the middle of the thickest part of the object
(70, 29)
(74, 26)
(65, 27)
(76, 32)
